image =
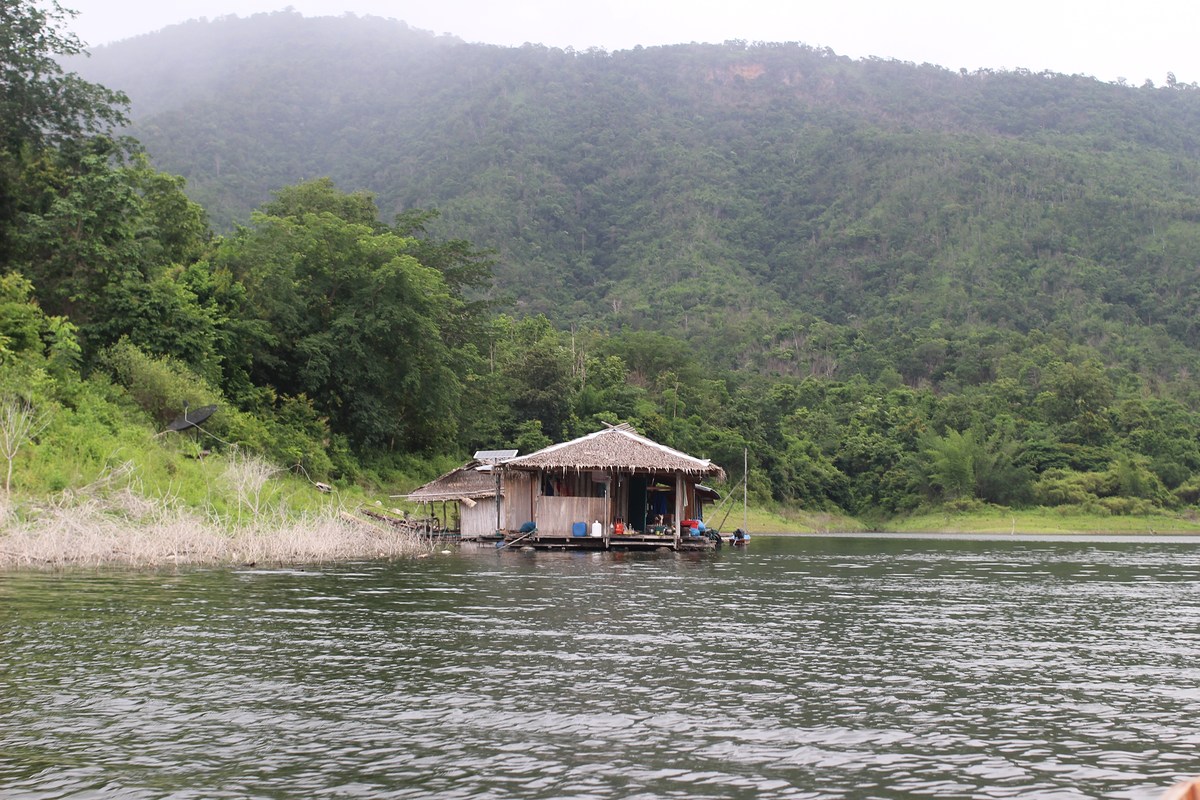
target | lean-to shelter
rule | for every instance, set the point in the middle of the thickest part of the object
(612, 475)
(470, 490)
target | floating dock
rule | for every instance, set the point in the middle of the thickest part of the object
(537, 540)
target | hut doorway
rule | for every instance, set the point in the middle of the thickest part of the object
(636, 510)
(657, 510)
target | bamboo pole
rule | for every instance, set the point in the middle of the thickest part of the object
(679, 498)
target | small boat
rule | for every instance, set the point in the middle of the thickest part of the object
(740, 537)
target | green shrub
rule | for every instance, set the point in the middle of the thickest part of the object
(1127, 506)
(300, 436)
(161, 386)
(1134, 478)
(1062, 487)
(1188, 494)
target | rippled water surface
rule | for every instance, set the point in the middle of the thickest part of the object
(797, 668)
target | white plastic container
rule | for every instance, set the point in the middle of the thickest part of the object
(597, 529)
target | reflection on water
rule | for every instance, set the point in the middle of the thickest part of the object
(798, 668)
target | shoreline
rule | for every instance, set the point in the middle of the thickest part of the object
(987, 535)
(94, 535)
(1045, 521)
(989, 520)
(131, 532)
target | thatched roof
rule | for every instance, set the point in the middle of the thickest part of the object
(471, 481)
(615, 448)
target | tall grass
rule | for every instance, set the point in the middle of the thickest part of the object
(95, 533)
(115, 521)
(98, 481)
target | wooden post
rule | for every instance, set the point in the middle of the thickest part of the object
(499, 477)
(680, 489)
(535, 497)
(609, 488)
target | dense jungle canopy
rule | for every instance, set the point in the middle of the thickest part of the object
(896, 285)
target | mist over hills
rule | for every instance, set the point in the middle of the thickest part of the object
(778, 206)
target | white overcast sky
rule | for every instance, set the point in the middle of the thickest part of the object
(1108, 40)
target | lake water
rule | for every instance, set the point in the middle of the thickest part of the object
(830, 667)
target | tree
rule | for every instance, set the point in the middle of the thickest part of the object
(42, 106)
(351, 319)
(21, 321)
(466, 270)
(91, 229)
(1077, 398)
(321, 196)
(952, 463)
(105, 241)
(34, 347)
(76, 233)
(542, 386)
(999, 478)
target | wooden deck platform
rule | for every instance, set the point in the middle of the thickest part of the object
(548, 541)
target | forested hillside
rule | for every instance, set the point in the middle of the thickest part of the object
(735, 194)
(896, 285)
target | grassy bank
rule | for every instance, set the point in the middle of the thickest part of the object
(98, 534)
(784, 520)
(1040, 520)
(229, 509)
(1062, 520)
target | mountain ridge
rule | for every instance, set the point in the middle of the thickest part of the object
(636, 188)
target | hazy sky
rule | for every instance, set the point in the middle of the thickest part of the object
(1108, 40)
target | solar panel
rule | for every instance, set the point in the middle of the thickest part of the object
(494, 456)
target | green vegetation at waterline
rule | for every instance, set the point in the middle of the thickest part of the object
(966, 518)
(776, 519)
(1042, 520)
(892, 307)
(97, 486)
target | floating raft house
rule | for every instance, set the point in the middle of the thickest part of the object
(612, 489)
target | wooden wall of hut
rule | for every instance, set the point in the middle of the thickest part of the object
(556, 515)
(480, 520)
(518, 499)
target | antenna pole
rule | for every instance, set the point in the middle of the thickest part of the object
(745, 481)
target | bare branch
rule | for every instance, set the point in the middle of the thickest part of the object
(19, 423)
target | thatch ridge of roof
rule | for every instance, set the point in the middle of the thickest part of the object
(472, 480)
(615, 447)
